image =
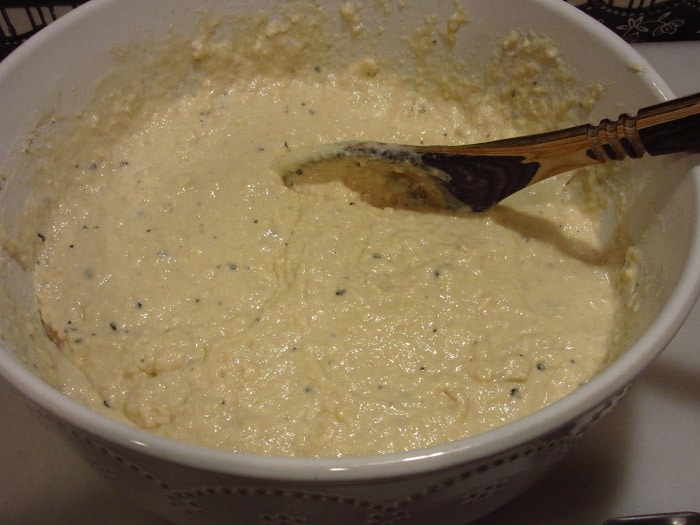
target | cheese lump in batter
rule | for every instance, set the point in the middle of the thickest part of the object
(196, 296)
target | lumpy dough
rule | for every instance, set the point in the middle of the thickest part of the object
(205, 301)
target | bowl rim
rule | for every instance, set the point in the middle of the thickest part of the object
(477, 448)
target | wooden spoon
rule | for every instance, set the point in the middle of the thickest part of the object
(481, 175)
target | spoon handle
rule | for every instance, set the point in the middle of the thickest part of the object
(669, 127)
(667, 518)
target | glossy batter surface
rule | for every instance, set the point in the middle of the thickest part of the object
(205, 301)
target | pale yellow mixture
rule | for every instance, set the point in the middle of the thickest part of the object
(200, 298)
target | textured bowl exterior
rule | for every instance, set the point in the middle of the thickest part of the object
(448, 484)
(457, 494)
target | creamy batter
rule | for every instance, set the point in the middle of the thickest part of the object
(199, 297)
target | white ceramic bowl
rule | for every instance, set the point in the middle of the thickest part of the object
(57, 70)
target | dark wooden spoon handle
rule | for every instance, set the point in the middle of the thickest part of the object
(669, 127)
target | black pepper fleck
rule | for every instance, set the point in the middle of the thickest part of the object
(340, 291)
(113, 326)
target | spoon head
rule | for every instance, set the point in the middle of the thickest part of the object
(383, 175)
(413, 177)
